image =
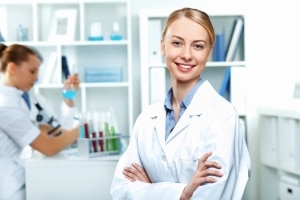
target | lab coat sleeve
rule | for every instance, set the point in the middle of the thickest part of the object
(227, 142)
(122, 188)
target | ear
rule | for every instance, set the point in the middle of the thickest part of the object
(11, 68)
(162, 48)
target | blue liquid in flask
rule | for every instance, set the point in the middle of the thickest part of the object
(69, 94)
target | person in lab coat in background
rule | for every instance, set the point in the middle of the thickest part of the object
(191, 145)
(68, 110)
(19, 66)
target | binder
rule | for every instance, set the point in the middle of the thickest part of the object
(65, 67)
(234, 38)
(219, 48)
(50, 68)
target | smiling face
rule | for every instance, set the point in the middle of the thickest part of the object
(186, 47)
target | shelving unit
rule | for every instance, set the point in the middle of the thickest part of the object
(279, 126)
(154, 74)
(37, 17)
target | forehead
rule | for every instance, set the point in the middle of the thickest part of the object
(33, 61)
(184, 27)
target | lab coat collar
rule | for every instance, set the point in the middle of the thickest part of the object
(9, 96)
(199, 104)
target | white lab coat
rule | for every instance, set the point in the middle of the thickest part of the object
(65, 117)
(209, 123)
(17, 132)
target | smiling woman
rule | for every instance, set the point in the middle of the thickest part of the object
(197, 146)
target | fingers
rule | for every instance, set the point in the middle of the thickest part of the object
(136, 172)
(211, 173)
(129, 174)
(208, 171)
(73, 79)
(203, 162)
(139, 169)
(205, 156)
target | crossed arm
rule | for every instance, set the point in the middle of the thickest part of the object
(205, 173)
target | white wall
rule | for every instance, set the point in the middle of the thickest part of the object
(272, 62)
(272, 41)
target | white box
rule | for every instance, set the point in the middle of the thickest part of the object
(289, 188)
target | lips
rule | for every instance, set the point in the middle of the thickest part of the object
(184, 67)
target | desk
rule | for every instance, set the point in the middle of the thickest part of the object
(67, 177)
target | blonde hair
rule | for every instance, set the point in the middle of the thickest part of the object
(195, 15)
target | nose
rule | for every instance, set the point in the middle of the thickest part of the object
(36, 77)
(186, 53)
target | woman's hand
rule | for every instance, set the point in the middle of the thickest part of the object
(206, 173)
(71, 82)
(136, 172)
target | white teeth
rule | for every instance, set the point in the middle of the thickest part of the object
(185, 66)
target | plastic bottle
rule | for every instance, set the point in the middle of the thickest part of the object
(21, 33)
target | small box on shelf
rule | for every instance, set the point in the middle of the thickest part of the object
(103, 74)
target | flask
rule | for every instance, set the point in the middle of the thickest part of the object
(116, 35)
(69, 91)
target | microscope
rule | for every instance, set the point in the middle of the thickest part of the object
(43, 118)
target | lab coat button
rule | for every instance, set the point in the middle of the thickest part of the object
(163, 158)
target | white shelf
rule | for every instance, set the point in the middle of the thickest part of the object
(279, 125)
(37, 16)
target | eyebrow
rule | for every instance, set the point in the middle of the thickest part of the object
(180, 38)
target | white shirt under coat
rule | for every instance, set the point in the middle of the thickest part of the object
(210, 123)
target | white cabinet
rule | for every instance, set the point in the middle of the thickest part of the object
(155, 79)
(81, 52)
(279, 125)
(67, 177)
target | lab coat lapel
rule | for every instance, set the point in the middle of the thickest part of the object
(158, 116)
(185, 120)
(199, 104)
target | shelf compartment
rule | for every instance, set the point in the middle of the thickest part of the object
(289, 138)
(269, 140)
(9, 20)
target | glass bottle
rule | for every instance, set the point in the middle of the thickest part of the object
(69, 91)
